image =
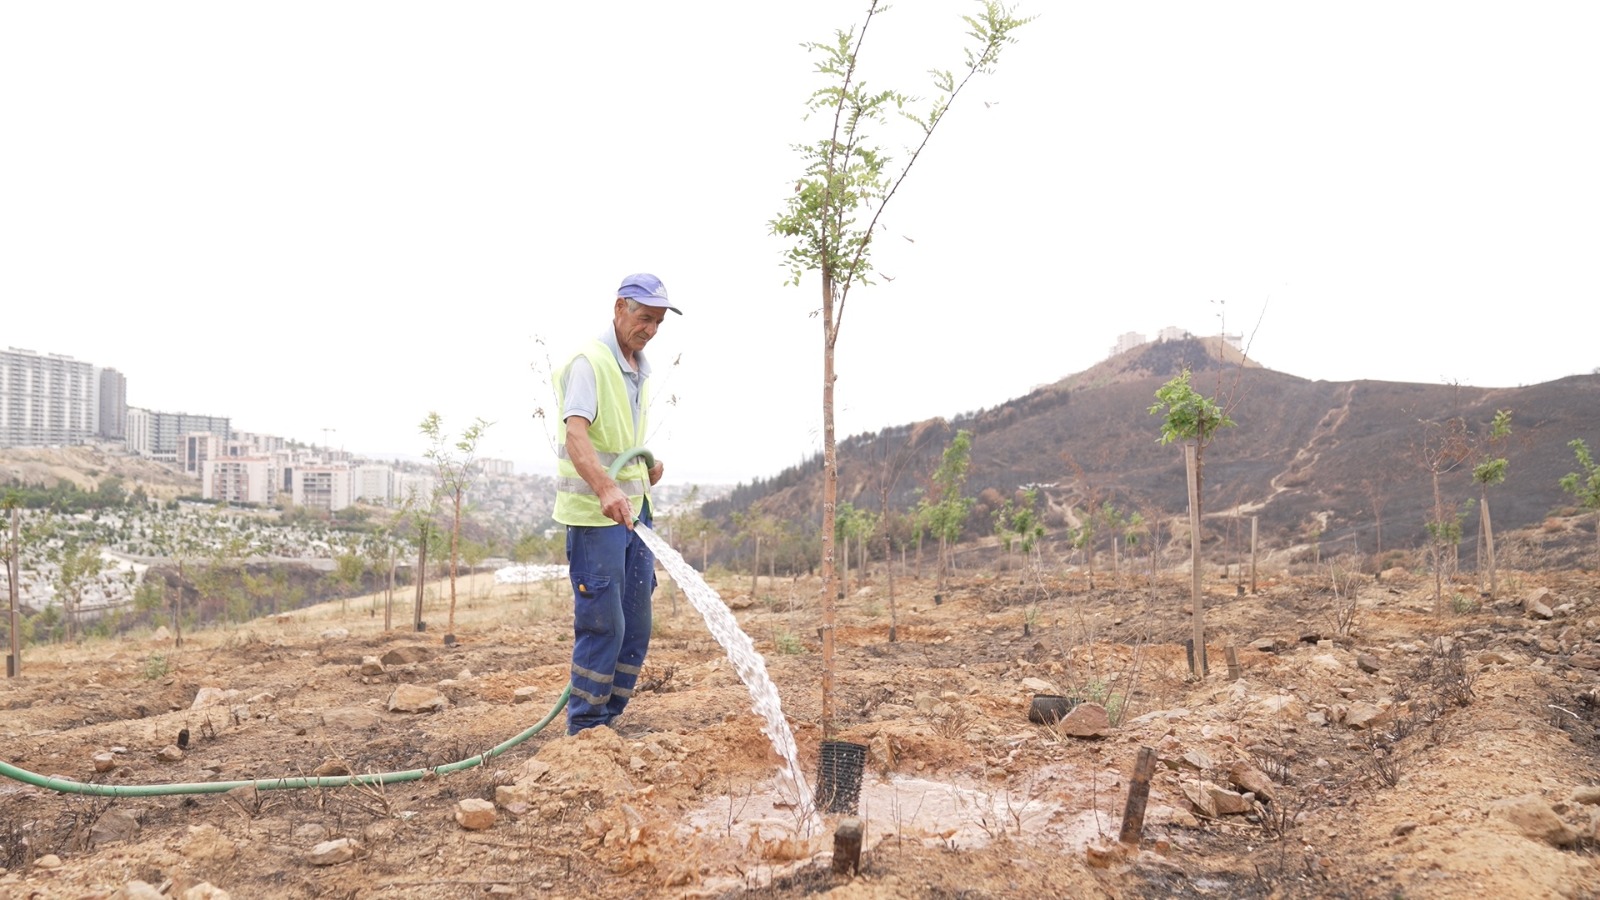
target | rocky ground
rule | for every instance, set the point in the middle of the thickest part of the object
(1365, 747)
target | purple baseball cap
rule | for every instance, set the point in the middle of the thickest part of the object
(647, 289)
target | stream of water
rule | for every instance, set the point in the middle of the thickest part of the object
(751, 665)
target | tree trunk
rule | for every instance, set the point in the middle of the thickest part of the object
(388, 595)
(13, 570)
(1488, 540)
(422, 576)
(1192, 458)
(755, 567)
(830, 498)
(455, 537)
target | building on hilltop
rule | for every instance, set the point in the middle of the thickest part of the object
(47, 400)
(1127, 341)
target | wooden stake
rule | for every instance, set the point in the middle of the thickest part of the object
(1234, 673)
(1138, 795)
(847, 846)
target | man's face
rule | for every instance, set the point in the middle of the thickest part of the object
(636, 327)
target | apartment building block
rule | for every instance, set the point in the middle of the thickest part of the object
(113, 405)
(47, 400)
(162, 435)
(321, 486)
(239, 479)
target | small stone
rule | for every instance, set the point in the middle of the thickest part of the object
(170, 753)
(205, 891)
(1252, 780)
(371, 665)
(1104, 854)
(1404, 828)
(331, 767)
(1086, 720)
(213, 696)
(335, 634)
(474, 814)
(413, 698)
(114, 826)
(1364, 715)
(1536, 820)
(104, 762)
(332, 853)
(407, 655)
(48, 861)
(1587, 794)
(526, 694)
(1368, 663)
(1226, 802)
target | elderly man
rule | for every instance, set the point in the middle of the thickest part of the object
(603, 394)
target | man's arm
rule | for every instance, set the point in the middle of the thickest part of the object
(613, 502)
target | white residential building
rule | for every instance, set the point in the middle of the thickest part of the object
(239, 479)
(373, 483)
(49, 400)
(1127, 341)
(325, 487)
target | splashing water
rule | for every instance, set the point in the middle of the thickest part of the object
(751, 665)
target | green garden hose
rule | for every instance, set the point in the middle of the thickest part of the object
(68, 786)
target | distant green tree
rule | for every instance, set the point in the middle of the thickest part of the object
(80, 565)
(1584, 485)
(1444, 447)
(347, 571)
(455, 465)
(1193, 419)
(943, 510)
(1017, 522)
(1490, 471)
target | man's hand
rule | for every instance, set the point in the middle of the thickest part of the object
(655, 472)
(614, 504)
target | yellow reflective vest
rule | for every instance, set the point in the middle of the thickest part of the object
(612, 434)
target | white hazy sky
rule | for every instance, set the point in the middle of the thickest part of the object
(344, 215)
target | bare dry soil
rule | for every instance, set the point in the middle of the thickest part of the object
(1403, 753)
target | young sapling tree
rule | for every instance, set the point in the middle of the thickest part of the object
(830, 217)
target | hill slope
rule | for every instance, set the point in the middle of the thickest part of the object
(1309, 458)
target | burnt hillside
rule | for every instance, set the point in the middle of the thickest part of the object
(1306, 456)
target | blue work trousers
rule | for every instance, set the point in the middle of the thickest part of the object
(613, 577)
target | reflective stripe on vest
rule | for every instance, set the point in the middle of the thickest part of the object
(612, 434)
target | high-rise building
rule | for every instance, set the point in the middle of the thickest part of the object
(159, 435)
(46, 400)
(113, 405)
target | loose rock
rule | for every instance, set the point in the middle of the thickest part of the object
(474, 814)
(332, 853)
